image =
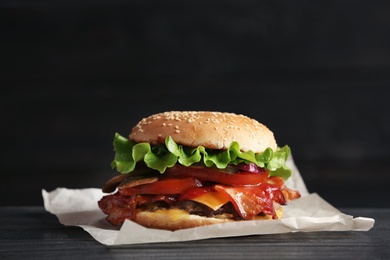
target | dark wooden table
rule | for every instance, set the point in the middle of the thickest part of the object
(33, 233)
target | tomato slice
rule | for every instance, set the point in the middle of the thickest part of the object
(206, 174)
(165, 186)
(195, 192)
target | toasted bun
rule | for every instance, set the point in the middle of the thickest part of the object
(214, 130)
(175, 219)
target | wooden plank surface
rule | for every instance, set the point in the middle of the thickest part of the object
(33, 233)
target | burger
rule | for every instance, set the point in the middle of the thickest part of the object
(184, 169)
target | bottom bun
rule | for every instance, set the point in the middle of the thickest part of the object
(175, 219)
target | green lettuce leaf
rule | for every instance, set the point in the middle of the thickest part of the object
(160, 157)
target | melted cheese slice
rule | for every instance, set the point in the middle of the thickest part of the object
(213, 200)
(174, 214)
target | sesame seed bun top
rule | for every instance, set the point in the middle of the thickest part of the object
(214, 130)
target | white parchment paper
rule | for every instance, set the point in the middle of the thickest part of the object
(78, 207)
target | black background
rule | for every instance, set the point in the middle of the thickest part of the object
(73, 73)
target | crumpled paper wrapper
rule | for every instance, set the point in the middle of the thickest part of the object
(78, 207)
